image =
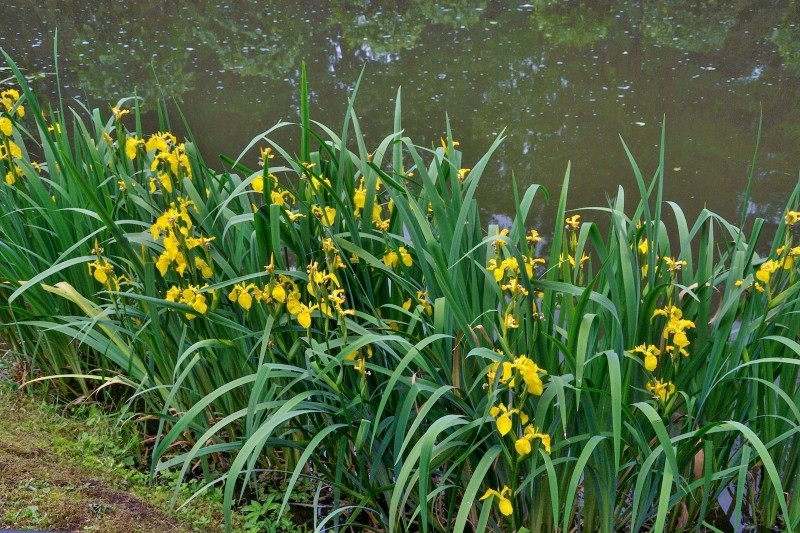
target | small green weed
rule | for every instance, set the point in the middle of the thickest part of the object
(28, 514)
(264, 517)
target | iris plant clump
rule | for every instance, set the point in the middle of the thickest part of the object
(339, 314)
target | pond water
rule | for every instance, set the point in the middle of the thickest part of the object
(565, 79)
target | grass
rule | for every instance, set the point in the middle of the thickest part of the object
(73, 473)
(340, 319)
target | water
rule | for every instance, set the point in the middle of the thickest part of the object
(566, 80)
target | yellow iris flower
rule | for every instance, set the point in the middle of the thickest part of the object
(573, 222)
(662, 390)
(766, 270)
(503, 421)
(5, 126)
(300, 311)
(503, 502)
(530, 374)
(650, 353)
(523, 444)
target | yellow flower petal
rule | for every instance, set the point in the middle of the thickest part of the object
(505, 507)
(545, 441)
(304, 319)
(523, 446)
(534, 383)
(245, 300)
(163, 264)
(279, 293)
(294, 306)
(131, 145)
(680, 340)
(5, 126)
(199, 304)
(504, 424)
(390, 259)
(488, 493)
(100, 275)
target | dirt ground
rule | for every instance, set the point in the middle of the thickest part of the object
(45, 489)
(46, 485)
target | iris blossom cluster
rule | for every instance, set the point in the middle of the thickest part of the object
(11, 110)
(174, 229)
(675, 328)
(192, 296)
(359, 205)
(507, 271)
(184, 252)
(786, 256)
(522, 374)
(103, 271)
(522, 367)
(675, 341)
(169, 162)
(323, 294)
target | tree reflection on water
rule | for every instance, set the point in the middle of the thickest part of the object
(565, 79)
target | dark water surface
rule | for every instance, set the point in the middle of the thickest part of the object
(566, 80)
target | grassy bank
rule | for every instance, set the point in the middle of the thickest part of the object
(338, 317)
(73, 473)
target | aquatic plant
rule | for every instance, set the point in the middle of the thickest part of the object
(339, 314)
